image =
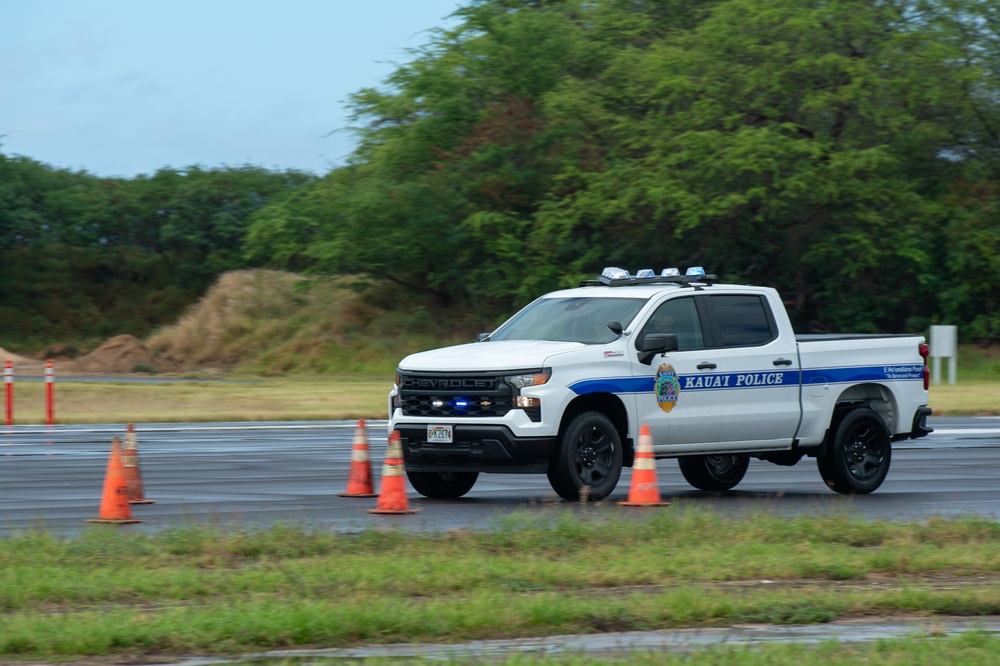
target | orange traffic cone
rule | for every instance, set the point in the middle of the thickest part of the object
(114, 501)
(644, 491)
(392, 497)
(130, 461)
(359, 481)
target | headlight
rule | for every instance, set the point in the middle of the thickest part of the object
(523, 381)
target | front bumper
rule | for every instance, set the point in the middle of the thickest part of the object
(476, 448)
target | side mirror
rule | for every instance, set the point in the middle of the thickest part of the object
(656, 343)
(616, 327)
(482, 337)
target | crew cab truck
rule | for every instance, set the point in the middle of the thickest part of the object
(714, 370)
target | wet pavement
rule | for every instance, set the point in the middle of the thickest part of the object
(623, 643)
(249, 474)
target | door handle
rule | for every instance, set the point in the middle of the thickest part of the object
(782, 361)
(706, 366)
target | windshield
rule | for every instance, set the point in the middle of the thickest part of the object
(577, 319)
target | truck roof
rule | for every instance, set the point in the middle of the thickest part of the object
(633, 291)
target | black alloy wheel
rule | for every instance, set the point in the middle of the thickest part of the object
(442, 485)
(856, 461)
(588, 463)
(716, 472)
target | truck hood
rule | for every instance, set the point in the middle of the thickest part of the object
(488, 356)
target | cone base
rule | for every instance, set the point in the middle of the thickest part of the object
(114, 521)
(393, 512)
(643, 503)
(142, 501)
(356, 495)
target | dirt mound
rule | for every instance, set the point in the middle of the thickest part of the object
(233, 321)
(11, 356)
(22, 365)
(120, 355)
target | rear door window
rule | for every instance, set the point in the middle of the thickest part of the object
(743, 320)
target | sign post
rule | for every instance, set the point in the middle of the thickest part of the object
(944, 344)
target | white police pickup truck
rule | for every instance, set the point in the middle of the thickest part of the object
(714, 370)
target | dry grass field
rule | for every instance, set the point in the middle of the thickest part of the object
(265, 399)
(974, 398)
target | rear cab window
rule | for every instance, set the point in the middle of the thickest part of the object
(742, 320)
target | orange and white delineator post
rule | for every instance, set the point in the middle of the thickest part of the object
(359, 479)
(133, 475)
(8, 383)
(50, 394)
(114, 500)
(392, 494)
(644, 491)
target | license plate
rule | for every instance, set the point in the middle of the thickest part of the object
(441, 434)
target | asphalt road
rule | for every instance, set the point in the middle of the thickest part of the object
(240, 474)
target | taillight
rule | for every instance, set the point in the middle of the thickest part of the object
(925, 351)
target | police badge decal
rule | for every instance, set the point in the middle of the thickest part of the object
(667, 387)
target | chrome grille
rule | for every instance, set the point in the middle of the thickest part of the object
(454, 396)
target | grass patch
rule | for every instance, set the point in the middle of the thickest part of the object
(966, 398)
(977, 388)
(976, 363)
(260, 399)
(209, 589)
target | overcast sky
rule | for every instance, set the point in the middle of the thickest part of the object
(125, 87)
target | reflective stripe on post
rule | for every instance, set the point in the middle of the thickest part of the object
(50, 408)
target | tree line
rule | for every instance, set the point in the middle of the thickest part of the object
(846, 152)
(85, 257)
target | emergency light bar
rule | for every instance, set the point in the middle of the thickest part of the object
(613, 276)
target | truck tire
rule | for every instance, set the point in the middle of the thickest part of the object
(589, 455)
(442, 485)
(714, 472)
(856, 460)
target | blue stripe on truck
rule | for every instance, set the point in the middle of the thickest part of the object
(768, 379)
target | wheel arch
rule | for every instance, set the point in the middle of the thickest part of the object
(611, 406)
(875, 397)
(854, 459)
